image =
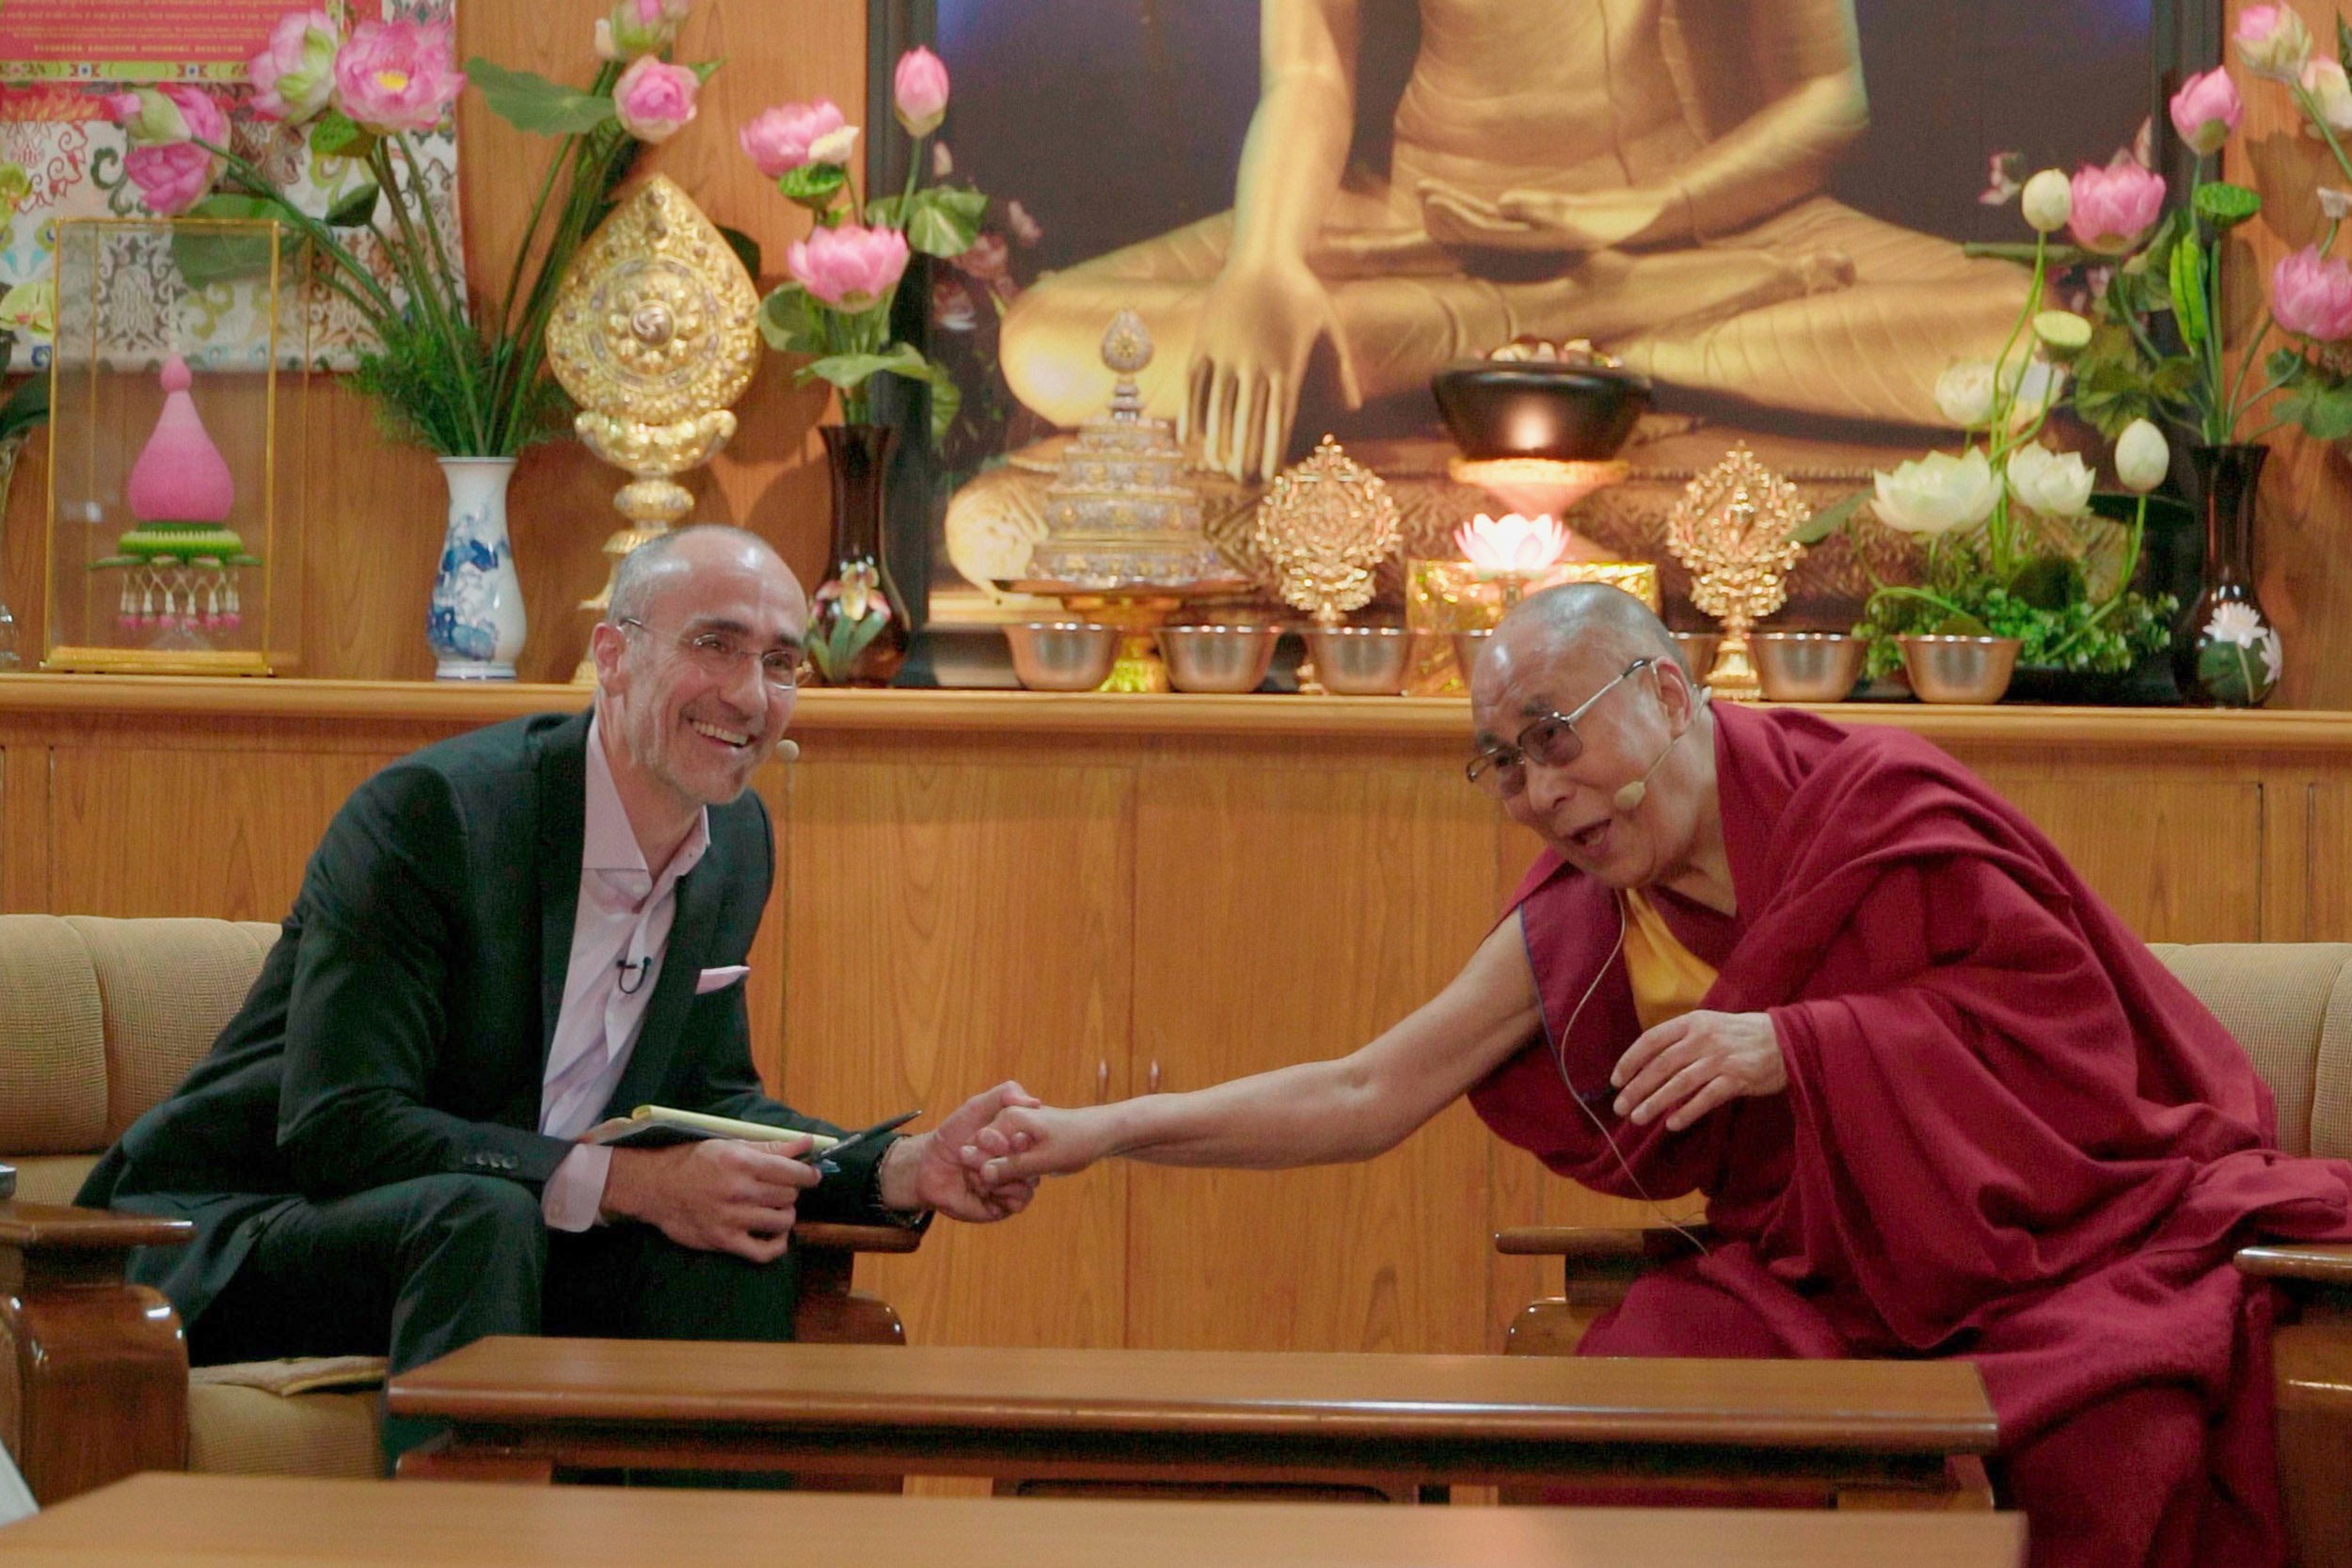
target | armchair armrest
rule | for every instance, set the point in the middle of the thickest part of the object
(1598, 1265)
(830, 1311)
(97, 1386)
(2307, 1262)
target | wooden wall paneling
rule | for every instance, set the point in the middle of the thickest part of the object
(233, 847)
(2178, 854)
(1283, 914)
(763, 989)
(24, 828)
(953, 926)
(2328, 802)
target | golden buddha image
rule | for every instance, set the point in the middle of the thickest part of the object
(1654, 176)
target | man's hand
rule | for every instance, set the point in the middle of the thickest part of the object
(1698, 1062)
(929, 1171)
(714, 1194)
(1028, 1142)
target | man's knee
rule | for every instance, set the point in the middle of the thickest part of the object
(473, 1212)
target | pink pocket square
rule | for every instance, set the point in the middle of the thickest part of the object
(720, 978)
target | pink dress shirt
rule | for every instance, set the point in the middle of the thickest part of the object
(624, 918)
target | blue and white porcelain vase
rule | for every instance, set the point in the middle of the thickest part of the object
(476, 623)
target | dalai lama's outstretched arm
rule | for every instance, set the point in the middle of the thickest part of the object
(1808, 54)
(1315, 1112)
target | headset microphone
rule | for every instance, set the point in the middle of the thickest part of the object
(1630, 796)
(788, 750)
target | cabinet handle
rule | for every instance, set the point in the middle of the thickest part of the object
(1102, 1081)
(1151, 1079)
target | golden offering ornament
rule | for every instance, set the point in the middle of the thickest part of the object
(1732, 528)
(653, 333)
(1324, 527)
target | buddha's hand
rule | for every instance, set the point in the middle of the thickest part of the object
(1024, 1143)
(930, 1170)
(1688, 1066)
(1259, 325)
(1571, 223)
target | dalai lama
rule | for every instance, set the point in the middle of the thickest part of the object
(1940, 1100)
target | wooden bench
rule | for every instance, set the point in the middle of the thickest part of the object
(169, 1521)
(1394, 1425)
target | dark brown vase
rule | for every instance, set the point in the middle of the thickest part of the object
(857, 634)
(2226, 655)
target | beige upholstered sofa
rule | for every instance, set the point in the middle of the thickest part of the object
(2290, 1005)
(99, 1019)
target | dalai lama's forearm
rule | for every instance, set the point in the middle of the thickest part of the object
(1313, 1113)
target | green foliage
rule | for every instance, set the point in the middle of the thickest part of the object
(206, 257)
(746, 248)
(2225, 206)
(849, 372)
(942, 221)
(835, 648)
(2045, 604)
(2188, 293)
(1829, 519)
(791, 321)
(336, 134)
(2315, 399)
(2114, 384)
(529, 101)
(28, 405)
(425, 380)
(356, 209)
(813, 185)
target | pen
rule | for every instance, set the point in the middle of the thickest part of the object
(827, 1164)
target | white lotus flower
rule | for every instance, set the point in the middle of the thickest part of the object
(2049, 201)
(2241, 624)
(2057, 485)
(1964, 395)
(2142, 457)
(1511, 543)
(1938, 493)
(2032, 389)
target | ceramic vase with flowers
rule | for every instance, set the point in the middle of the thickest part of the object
(460, 372)
(835, 313)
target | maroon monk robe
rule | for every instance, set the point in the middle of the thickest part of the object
(2009, 1133)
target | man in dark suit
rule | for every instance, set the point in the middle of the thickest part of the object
(500, 941)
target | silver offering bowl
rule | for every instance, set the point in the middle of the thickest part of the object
(1467, 645)
(1958, 669)
(1361, 662)
(1806, 665)
(1062, 656)
(1698, 652)
(1218, 658)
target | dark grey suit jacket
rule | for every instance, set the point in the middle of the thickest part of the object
(399, 1028)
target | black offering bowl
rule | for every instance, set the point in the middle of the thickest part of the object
(1567, 411)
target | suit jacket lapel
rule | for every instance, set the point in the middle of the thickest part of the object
(700, 894)
(563, 830)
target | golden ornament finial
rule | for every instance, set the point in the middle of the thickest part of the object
(1324, 527)
(1732, 530)
(654, 333)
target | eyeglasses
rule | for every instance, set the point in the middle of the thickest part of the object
(1550, 742)
(720, 656)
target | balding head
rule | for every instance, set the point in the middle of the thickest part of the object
(662, 562)
(1595, 655)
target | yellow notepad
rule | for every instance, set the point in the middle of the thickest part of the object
(661, 1124)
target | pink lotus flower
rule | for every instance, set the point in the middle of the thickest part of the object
(1025, 228)
(2115, 206)
(158, 117)
(918, 92)
(778, 139)
(2312, 295)
(397, 75)
(851, 268)
(2273, 42)
(1511, 544)
(172, 177)
(2207, 109)
(295, 76)
(654, 98)
(638, 27)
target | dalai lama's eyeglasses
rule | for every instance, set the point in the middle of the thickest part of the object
(1550, 742)
(721, 656)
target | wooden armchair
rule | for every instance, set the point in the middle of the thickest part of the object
(100, 1018)
(2290, 1005)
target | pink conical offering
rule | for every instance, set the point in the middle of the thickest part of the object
(181, 476)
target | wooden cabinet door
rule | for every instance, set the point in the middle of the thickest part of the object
(1282, 913)
(951, 927)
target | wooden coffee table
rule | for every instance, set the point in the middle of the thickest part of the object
(526, 1408)
(178, 1521)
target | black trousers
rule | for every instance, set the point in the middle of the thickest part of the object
(416, 1269)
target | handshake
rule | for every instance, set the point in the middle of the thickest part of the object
(983, 1162)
